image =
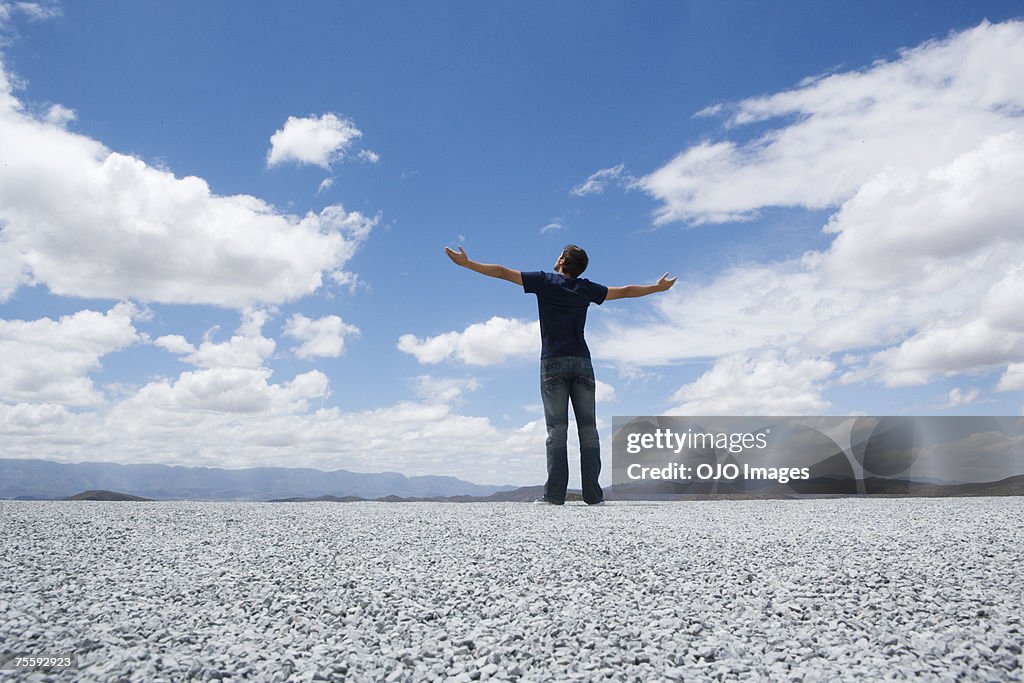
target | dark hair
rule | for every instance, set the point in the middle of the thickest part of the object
(574, 260)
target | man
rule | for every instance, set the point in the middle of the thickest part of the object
(566, 373)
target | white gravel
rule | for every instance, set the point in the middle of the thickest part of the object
(841, 589)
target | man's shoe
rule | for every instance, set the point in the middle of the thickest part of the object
(545, 501)
(600, 502)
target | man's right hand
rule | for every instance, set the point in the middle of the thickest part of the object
(666, 282)
(460, 257)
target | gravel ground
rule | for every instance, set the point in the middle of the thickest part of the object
(840, 589)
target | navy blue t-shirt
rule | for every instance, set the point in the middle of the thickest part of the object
(562, 305)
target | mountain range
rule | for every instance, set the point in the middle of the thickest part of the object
(28, 479)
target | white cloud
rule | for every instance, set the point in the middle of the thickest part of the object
(933, 103)
(12, 270)
(596, 183)
(88, 222)
(745, 308)
(32, 419)
(552, 226)
(369, 156)
(763, 384)
(175, 343)
(49, 361)
(777, 305)
(325, 185)
(605, 393)
(444, 390)
(228, 390)
(948, 348)
(316, 140)
(923, 221)
(248, 348)
(320, 338)
(59, 115)
(922, 157)
(958, 397)
(349, 280)
(1012, 379)
(711, 110)
(230, 411)
(238, 417)
(34, 11)
(957, 334)
(486, 343)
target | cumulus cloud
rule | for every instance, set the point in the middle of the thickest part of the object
(596, 183)
(227, 389)
(320, 338)
(762, 384)
(32, 419)
(605, 393)
(175, 343)
(49, 361)
(230, 411)
(444, 389)
(350, 281)
(239, 417)
(248, 348)
(369, 156)
(935, 102)
(59, 115)
(1012, 379)
(486, 343)
(920, 157)
(958, 397)
(948, 348)
(905, 220)
(745, 308)
(316, 140)
(86, 221)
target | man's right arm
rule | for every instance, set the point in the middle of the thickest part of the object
(632, 291)
(460, 258)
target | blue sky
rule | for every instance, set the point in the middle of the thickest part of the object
(223, 222)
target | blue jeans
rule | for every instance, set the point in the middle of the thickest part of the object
(564, 379)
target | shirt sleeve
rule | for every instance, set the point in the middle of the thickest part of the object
(532, 281)
(598, 293)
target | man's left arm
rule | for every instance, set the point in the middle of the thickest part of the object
(632, 291)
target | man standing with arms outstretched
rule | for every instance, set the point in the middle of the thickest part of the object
(566, 373)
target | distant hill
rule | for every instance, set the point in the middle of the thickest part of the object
(820, 486)
(29, 479)
(670, 490)
(104, 495)
(24, 479)
(1011, 486)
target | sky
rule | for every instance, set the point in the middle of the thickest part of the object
(222, 224)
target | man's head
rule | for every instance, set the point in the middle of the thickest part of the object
(572, 262)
